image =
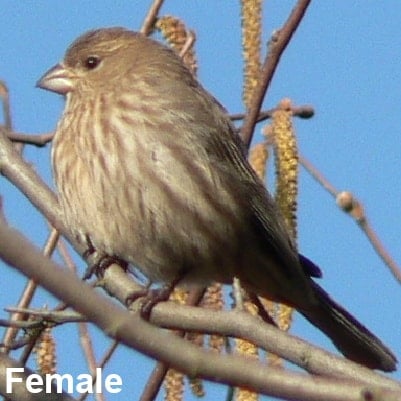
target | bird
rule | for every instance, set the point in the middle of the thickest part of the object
(149, 169)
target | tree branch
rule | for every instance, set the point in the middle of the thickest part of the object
(151, 17)
(277, 45)
(350, 205)
(134, 332)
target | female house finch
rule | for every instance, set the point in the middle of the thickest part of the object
(149, 169)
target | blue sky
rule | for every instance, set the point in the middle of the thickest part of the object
(345, 60)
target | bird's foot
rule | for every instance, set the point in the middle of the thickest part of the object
(100, 265)
(152, 296)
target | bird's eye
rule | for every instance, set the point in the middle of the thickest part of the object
(92, 62)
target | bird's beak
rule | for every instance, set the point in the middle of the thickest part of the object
(58, 79)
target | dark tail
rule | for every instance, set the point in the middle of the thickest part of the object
(353, 339)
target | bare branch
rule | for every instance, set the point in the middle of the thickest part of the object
(305, 111)
(158, 374)
(278, 44)
(349, 204)
(16, 170)
(4, 95)
(191, 37)
(131, 330)
(27, 295)
(151, 17)
(38, 140)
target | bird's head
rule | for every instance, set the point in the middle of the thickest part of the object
(104, 58)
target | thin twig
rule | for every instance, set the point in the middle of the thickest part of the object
(318, 176)
(87, 347)
(151, 17)
(38, 140)
(106, 357)
(305, 111)
(53, 317)
(108, 354)
(349, 204)
(26, 325)
(66, 255)
(6, 105)
(84, 336)
(379, 248)
(20, 173)
(191, 37)
(2, 216)
(277, 45)
(158, 374)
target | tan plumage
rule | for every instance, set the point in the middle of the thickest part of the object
(148, 167)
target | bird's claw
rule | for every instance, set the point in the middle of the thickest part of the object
(151, 298)
(102, 264)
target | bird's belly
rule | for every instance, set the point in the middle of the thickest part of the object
(151, 231)
(163, 211)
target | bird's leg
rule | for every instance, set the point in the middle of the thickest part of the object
(91, 248)
(102, 263)
(134, 295)
(262, 312)
(153, 296)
